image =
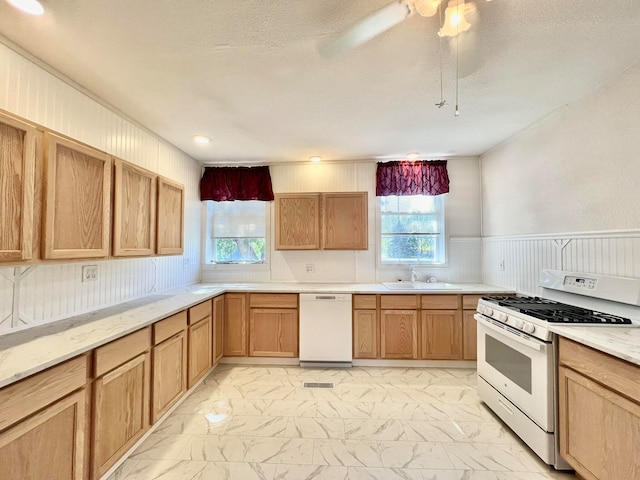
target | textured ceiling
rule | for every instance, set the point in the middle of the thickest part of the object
(248, 74)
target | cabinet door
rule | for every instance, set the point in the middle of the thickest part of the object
(297, 221)
(218, 332)
(235, 325)
(17, 173)
(273, 332)
(169, 375)
(199, 350)
(170, 219)
(48, 445)
(365, 334)
(399, 334)
(599, 429)
(469, 336)
(441, 334)
(134, 210)
(77, 200)
(344, 221)
(121, 411)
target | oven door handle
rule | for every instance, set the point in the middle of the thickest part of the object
(532, 344)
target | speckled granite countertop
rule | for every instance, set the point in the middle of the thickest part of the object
(26, 352)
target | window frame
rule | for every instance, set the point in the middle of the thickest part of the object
(207, 245)
(444, 238)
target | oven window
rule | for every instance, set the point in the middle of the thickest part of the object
(509, 362)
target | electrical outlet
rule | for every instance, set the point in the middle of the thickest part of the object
(185, 262)
(502, 265)
(311, 267)
(89, 273)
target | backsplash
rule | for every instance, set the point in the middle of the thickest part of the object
(516, 262)
(48, 292)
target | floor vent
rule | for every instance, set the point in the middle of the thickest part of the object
(317, 385)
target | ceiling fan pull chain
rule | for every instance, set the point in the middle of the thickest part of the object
(457, 114)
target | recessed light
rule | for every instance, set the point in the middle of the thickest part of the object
(412, 155)
(201, 139)
(315, 159)
(32, 7)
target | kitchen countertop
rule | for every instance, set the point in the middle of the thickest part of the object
(26, 352)
(621, 342)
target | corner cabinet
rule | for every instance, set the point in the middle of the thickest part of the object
(134, 210)
(297, 221)
(17, 182)
(170, 218)
(599, 413)
(235, 325)
(344, 221)
(77, 200)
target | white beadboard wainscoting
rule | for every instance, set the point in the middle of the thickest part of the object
(47, 292)
(516, 261)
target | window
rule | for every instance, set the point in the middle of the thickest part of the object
(412, 229)
(236, 232)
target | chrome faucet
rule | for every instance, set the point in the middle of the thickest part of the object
(414, 275)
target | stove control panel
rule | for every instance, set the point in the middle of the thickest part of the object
(581, 282)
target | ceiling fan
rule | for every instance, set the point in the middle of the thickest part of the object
(457, 13)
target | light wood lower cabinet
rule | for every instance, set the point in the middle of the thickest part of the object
(43, 424)
(235, 325)
(441, 334)
(599, 399)
(121, 398)
(365, 334)
(217, 329)
(469, 335)
(199, 341)
(399, 334)
(169, 356)
(273, 332)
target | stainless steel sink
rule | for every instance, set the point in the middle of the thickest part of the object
(420, 286)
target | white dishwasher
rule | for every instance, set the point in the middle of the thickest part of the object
(325, 329)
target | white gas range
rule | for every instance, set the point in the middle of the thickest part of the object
(517, 352)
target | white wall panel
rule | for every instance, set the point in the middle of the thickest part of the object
(616, 253)
(48, 292)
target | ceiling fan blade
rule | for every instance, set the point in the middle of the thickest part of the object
(367, 28)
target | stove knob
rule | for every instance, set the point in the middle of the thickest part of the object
(487, 311)
(529, 327)
(517, 322)
(501, 316)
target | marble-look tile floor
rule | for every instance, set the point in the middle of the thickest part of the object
(258, 422)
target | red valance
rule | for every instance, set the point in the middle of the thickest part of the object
(421, 177)
(223, 184)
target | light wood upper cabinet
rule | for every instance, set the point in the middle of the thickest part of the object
(77, 200)
(399, 334)
(344, 221)
(134, 210)
(170, 218)
(297, 221)
(17, 182)
(441, 335)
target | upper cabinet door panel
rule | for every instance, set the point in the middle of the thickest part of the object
(344, 222)
(170, 219)
(297, 221)
(134, 215)
(77, 200)
(17, 170)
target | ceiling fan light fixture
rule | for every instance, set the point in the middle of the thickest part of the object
(32, 7)
(455, 20)
(426, 8)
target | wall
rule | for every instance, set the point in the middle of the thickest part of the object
(564, 193)
(462, 206)
(44, 293)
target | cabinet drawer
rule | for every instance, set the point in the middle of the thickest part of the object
(616, 374)
(23, 398)
(114, 354)
(273, 300)
(440, 302)
(470, 302)
(395, 302)
(364, 302)
(168, 327)
(199, 312)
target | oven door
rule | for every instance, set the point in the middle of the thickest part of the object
(520, 367)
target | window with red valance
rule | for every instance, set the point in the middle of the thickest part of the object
(421, 177)
(225, 184)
